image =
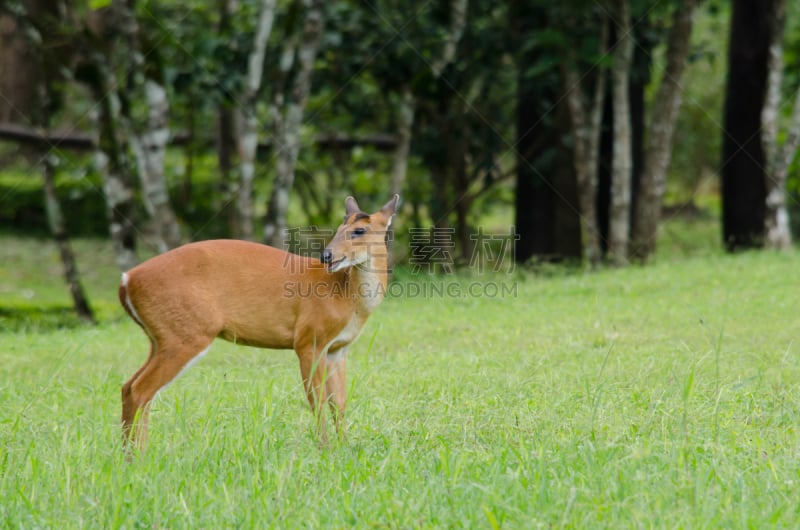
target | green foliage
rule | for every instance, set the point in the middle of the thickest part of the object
(697, 152)
(99, 4)
(22, 207)
(658, 397)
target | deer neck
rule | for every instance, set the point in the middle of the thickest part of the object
(368, 281)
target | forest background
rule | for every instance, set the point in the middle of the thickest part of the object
(574, 129)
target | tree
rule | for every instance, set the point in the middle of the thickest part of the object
(29, 59)
(288, 127)
(779, 155)
(149, 126)
(248, 140)
(586, 124)
(652, 184)
(55, 217)
(622, 161)
(744, 179)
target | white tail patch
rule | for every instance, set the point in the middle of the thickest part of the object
(129, 304)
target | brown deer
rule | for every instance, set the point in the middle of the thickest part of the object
(261, 296)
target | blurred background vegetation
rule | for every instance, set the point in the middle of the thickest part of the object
(163, 122)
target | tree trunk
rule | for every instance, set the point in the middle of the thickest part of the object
(653, 181)
(779, 234)
(55, 219)
(743, 160)
(28, 88)
(110, 139)
(534, 198)
(224, 200)
(770, 112)
(248, 142)
(586, 146)
(148, 130)
(150, 148)
(458, 21)
(779, 158)
(19, 73)
(112, 164)
(405, 123)
(622, 163)
(275, 222)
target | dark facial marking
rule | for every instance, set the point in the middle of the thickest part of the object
(355, 217)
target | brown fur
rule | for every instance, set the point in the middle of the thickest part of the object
(259, 296)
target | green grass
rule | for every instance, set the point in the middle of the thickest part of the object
(657, 397)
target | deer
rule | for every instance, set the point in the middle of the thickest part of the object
(256, 295)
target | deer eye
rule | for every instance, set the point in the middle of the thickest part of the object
(359, 231)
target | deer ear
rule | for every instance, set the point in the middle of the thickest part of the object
(351, 206)
(390, 207)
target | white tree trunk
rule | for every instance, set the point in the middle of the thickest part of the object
(622, 155)
(150, 148)
(653, 181)
(289, 148)
(770, 111)
(112, 165)
(586, 143)
(779, 157)
(248, 141)
(779, 235)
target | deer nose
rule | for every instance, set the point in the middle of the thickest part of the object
(327, 256)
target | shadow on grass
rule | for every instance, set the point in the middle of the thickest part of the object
(38, 319)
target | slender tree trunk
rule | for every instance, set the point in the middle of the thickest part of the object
(224, 200)
(779, 234)
(622, 163)
(779, 158)
(55, 218)
(405, 124)
(112, 164)
(586, 147)
(770, 112)
(150, 148)
(277, 106)
(275, 222)
(653, 181)
(458, 21)
(106, 59)
(148, 130)
(248, 141)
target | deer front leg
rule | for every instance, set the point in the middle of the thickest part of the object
(336, 387)
(313, 368)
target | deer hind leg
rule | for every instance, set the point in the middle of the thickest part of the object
(129, 409)
(167, 360)
(336, 387)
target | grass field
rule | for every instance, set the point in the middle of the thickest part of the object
(658, 397)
